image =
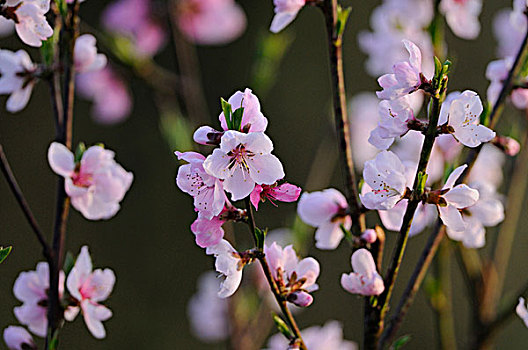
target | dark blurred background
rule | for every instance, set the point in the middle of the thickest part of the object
(149, 244)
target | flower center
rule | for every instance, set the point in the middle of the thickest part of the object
(82, 180)
(239, 156)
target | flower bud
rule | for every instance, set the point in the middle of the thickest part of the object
(17, 338)
(369, 236)
(507, 144)
(300, 298)
(205, 135)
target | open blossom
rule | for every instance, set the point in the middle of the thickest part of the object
(31, 288)
(242, 161)
(488, 166)
(488, 211)
(406, 78)
(385, 175)
(252, 119)
(89, 288)
(329, 336)
(111, 98)
(85, 54)
(207, 191)
(296, 276)
(229, 264)
(96, 184)
(134, 19)
(497, 72)
(17, 338)
(208, 314)
(17, 80)
(284, 192)
(395, 116)
(326, 210)
(285, 13)
(521, 311)
(30, 20)
(365, 279)
(455, 198)
(509, 27)
(462, 17)
(208, 232)
(210, 22)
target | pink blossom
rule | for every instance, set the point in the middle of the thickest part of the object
(85, 54)
(205, 135)
(285, 13)
(17, 338)
(406, 77)
(17, 80)
(210, 22)
(488, 166)
(134, 19)
(326, 210)
(208, 314)
(252, 119)
(208, 232)
(508, 145)
(386, 178)
(30, 20)
(242, 161)
(497, 72)
(329, 336)
(96, 184)
(229, 264)
(395, 116)
(110, 95)
(509, 28)
(284, 192)
(89, 288)
(462, 17)
(294, 276)
(207, 191)
(31, 288)
(365, 279)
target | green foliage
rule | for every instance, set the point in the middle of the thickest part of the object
(282, 327)
(233, 119)
(398, 344)
(260, 236)
(342, 18)
(4, 252)
(69, 262)
(422, 178)
(81, 148)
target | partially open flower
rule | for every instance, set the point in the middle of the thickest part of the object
(365, 279)
(85, 54)
(229, 264)
(17, 338)
(17, 78)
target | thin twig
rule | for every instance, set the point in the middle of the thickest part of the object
(22, 202)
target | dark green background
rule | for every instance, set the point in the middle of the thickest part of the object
(149, 245)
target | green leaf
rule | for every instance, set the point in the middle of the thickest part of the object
(81, 148)
(226, 108)
(237, 118)
(4, 252)
(342, 18)
(47, 50)
(422, 178)
(69, 262)
(260, 236)
(347, 233)
(282, 327)
(438, 68)
(63, 8)
(398, 344)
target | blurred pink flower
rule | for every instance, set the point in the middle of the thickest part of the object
(210, 22)
(96, 184)
(365, 279)
(462, 17)
(89, 288)
(369, 235)
(394, 117)
(16, 78)
(284, 192)
(85, 54)
(285, 13)
(326, 210)
(134, 19)
(110, 96)
(17, 338)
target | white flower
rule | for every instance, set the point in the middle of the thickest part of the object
(30, 20)
(85, 54)
(464, 119)
(325, 210)
(521, 311)
(488, 211)
(394, 118)
(454, 199)
(285, 13)
(229, 265)
(365, 279)
(392, 219)
(385, 175)
(462, 17)
(242, 161)
(16, 78)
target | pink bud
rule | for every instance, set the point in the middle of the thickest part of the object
(369, 236)
(205, 135)
(300, 298)
(507, 144)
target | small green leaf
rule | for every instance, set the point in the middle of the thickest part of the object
(438, 68)
(4, 252)
(237, 118)
(422, 178)
(347, 233)
(63, 8)
(69, 262)
(226, 108)
(260, 236)
(342, 18)
(399, 343)
(81, 148)
(282, 327)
